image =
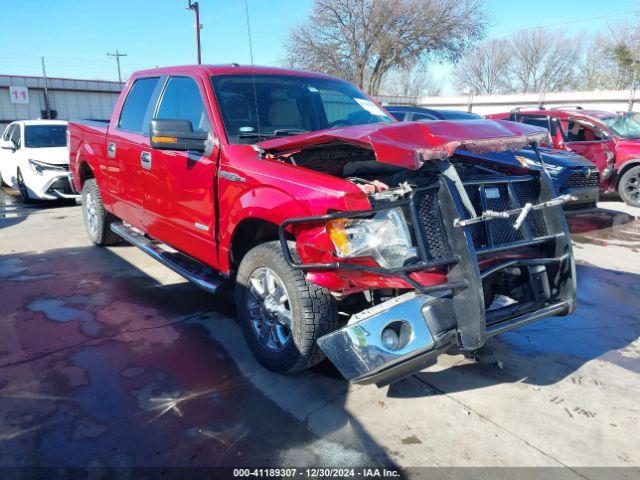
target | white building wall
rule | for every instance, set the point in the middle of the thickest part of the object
(611, 100)
(71, 98)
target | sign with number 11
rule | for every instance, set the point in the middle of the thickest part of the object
(19, 94)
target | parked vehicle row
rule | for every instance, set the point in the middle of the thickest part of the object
(571, 173)
(610, 141)
(379, 244)
(35, 160)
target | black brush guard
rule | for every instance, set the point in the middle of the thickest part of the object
(434, 211)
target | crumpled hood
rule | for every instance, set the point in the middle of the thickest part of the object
(410, 144)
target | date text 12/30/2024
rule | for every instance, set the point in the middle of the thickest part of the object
(316, 472)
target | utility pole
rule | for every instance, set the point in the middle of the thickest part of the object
(117, 55)
(47, 110)
(196, 8)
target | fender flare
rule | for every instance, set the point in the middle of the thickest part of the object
(85, 154)
(263, 203)
(620, 170)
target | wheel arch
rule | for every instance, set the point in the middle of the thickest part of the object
(624, 168)
(85, 172)
(249, 233)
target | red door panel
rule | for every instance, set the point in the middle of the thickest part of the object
(179, 187)
(125, 179)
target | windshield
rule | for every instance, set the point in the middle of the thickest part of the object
(287, 104)
(40, 136)
(625, 126)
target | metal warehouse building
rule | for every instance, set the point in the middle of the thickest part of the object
(23, 98)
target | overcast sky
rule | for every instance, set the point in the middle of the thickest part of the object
(74, 36)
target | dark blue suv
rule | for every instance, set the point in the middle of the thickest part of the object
(571, 173)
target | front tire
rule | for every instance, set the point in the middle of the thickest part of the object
(629, 187)
(281, 314)
(22, 188)
(97, 221)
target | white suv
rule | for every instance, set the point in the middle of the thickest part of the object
(35, 160)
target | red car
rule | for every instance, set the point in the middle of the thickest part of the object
(611, 141)
(347, 234)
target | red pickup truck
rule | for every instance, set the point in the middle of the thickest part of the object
(610, 140)
(347, 234)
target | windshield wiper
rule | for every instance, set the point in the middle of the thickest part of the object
(281, 132)
(255, 135)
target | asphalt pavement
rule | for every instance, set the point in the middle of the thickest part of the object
(107, 358)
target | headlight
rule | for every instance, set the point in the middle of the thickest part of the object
(39, 167)
(384, 237)
(528, 162)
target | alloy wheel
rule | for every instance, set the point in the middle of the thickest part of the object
(632, 188)
(91, 215)
(269, 309)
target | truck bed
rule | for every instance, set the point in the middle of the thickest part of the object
(85, 136)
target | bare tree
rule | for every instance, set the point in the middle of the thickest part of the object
(414, 82)
(485, 70)
(363, 40)
(543, 60)
(599, 68)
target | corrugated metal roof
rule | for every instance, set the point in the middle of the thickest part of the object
(56, 83)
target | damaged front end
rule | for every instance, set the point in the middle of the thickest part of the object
(488, 251)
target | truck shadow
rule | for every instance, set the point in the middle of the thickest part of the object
(103, 364)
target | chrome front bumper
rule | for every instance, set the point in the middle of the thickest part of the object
(357, 349)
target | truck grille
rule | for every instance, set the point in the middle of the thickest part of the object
(496, 197)
(580, 180)
(432, 227)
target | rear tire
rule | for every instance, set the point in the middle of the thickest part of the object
(22, 188)
(629, 187)
(97, 221)
(282, 324)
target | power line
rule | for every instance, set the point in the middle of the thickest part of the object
(540, 27)
(117, 55)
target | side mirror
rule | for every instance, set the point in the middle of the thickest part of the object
(176, 135)
(8, 145)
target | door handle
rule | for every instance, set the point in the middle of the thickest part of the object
(145, 160)
(111, 150)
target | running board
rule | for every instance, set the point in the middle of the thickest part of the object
(194, 271)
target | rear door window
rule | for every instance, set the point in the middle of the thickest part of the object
(422, 117)
(136, 104)
(539, 121)
(182, 100)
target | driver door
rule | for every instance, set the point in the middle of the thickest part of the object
(589, 141)
(179, 186)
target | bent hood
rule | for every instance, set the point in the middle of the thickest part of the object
(410, 144)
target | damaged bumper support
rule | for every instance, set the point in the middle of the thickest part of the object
(498, 238)
(401, 336)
